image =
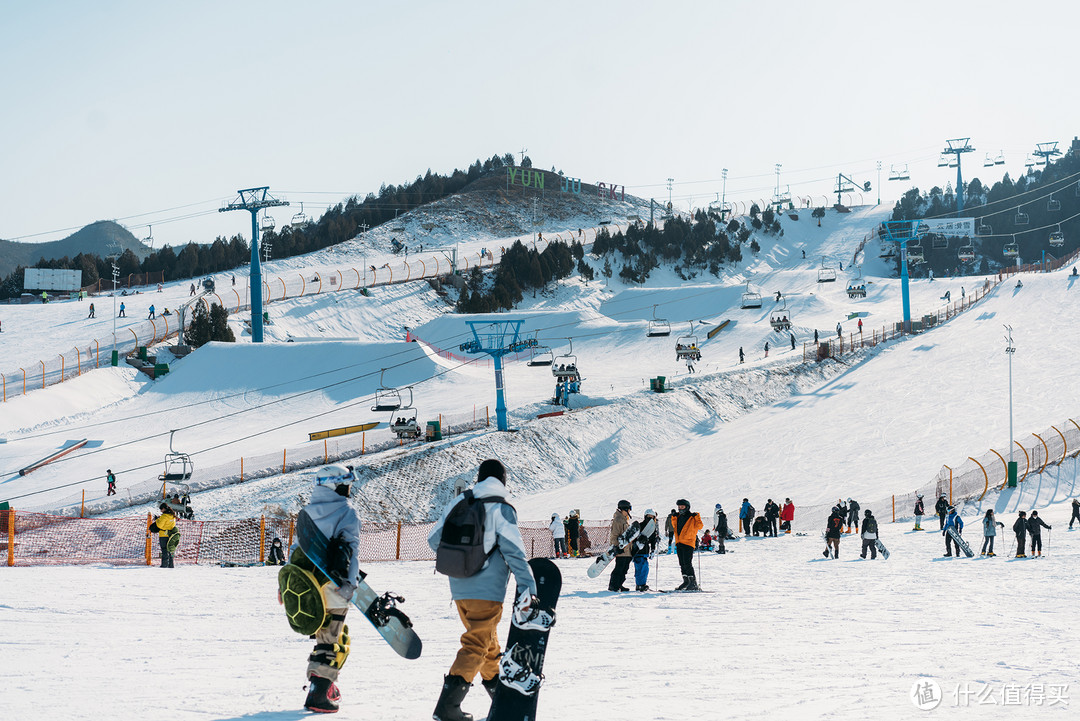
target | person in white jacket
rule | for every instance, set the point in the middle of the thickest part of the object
(479, 598)
(558, 536)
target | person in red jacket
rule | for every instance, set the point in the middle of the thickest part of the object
(787, 515)
(686, 525)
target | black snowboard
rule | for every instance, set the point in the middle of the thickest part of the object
(509, 704)
(382, 611)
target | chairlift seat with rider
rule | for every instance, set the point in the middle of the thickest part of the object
(966, 254)
(565, 367)
(687, 346)
(404, 423)
(1057, 238)
(780, 319)
(1011, 250)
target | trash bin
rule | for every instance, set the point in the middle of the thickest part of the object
(142, 352)
(115, 358)
(434, 431)
(660, 384)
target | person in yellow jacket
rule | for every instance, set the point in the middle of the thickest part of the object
(165, 525)
(686, 525)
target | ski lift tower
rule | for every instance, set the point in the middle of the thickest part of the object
(1046, 151)
(902, 232)
(957, 147)
(844, 184)
(497, 339)
(253, 200)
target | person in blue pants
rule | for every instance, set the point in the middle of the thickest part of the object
(953, 521)
(641, 549)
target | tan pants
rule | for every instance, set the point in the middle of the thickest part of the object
(480, 647)
(330, 634)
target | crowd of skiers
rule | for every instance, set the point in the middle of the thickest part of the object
(1025, 528)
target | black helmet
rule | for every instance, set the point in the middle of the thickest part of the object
(867, 512)
(683, 502)
(624, 505)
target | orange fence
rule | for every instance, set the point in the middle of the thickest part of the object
(37, 539)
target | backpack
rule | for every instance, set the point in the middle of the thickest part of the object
(461, 546)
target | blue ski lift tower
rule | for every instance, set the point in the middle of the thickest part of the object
(254, 200)
(957, 147)
(902, 232)
(497, 338)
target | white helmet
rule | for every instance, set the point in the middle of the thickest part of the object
(334, 475)
(554, 516)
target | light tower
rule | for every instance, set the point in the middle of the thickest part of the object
(1009, 350)
(957, 147)
(253, 200)
(903, 231)
(497, 339)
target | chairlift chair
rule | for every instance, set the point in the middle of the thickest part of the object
(1011, 250)
(750, 299)
(939, 242)
(178, 466)
(1021, 218)
(1028, 162)
(404, 423)
(966, 254)
(299, 219)
(149, 239)
(982, 228)
(915, 254)
(1057, 238)
(1053, 205)
(388, 399)
(658, 327)
(988, 162)
(687, 346)
(565, 366)
(900, 173)
(780, 318)
(943, 161)
(825, 274)
(267, 223)
(1000, 159)
(540, 355)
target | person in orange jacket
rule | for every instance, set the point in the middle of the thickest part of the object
(787, 515)
(686, 525)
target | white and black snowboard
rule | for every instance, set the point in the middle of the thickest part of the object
(625, 539)
(951, 530)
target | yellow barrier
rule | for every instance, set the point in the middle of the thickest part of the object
(334, 432)
(717, 329)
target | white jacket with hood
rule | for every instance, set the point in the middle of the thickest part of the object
(501, 534)
(333, 515)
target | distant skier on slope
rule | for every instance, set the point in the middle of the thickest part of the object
(641, 548)
(787, 515)
(558, 536)
(1020, 529)
(869, 535)
(953, 521)
(1035, 526)
(746, 516)
(853, 515)
(572, 525)
(833, 530)
(990, 525)
(772, 513)
(669, 531)
(919, 512)
(721, 527)
(942, 508)
(1075, 512)
(687, 525)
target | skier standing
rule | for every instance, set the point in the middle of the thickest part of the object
(642, 547)
(91, 312)
(619, 523)
(792, 341)
(869, 535)
(110, 478)
(151, 316)
(919, 512)
(687, 525)
(1035, 526)
(572, 524)
(742, 356)
(1075, 512)
(853, 515)
(839, 331)
(989, 532)
(746, 516)
(669, 531)
(1020, 529)
(165, 525)
(942, 507)
(766, 349)
(953, 521)
(772, 513)
(833, 530)
(558, 536)
(721, 528)
(787, 515)
(479, 598)
(121, 313)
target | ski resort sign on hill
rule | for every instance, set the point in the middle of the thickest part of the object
(529, 178)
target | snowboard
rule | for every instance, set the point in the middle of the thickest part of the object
(381, 610)
(522, 662)
(881, 549)
(960, 542)
(633, 531)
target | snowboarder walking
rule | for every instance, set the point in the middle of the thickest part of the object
(1035, 526)
(919, 512)
(742, 357)
(834, 528)
(766, 349)
(192, 289)
(1020, 529)
(572, 524)
(721, 528)
(110, 478)
(121, 314)
(869, 535)
(852, 515)
(619, 523)
(151, 316)
(953, 521)
(1075, 512)
(746, 516)
(792, 341)
(558, 536)
(815, 336)
(787, 515)
(91, 312)
(165, 526)
(772, 513)
(479, 598)
(942, 507)
(839, 331)
(641, 548)
(989, 532)
(687, 525)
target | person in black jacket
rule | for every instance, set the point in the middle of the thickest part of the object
(1020, 529)
(721, 528)
(942, 508)
(572, 525)
(853, 515)
(833, 530)
(641, 548)
(1035, 526)
(276, 557)
(772, 512)
(1075, 513)
(869, 535)
(919, 512)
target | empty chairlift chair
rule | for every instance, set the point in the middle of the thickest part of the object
(658, 327)
(826, 274)
(1021, 218)
(178, 466)
(750, 299)
(388, 399)
(541, 355)
(982, 228)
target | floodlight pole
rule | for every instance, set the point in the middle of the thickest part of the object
(1009, 350)
(253, 200)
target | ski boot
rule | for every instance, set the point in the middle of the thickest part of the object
(323, 695)
(517, 675)
(449, 706)
(490, 685)
(691, 584)
(685, 582)
(991, 554)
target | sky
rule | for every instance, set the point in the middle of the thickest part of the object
(155, 114)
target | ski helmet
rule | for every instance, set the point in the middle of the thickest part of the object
(718, 506)
(554, 516)
(867, 512)
(650, 512)
(336, 477)
(683, 502)
(624, 505)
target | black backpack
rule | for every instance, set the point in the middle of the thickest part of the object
(461, 546)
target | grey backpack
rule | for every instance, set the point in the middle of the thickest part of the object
(461, 546)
